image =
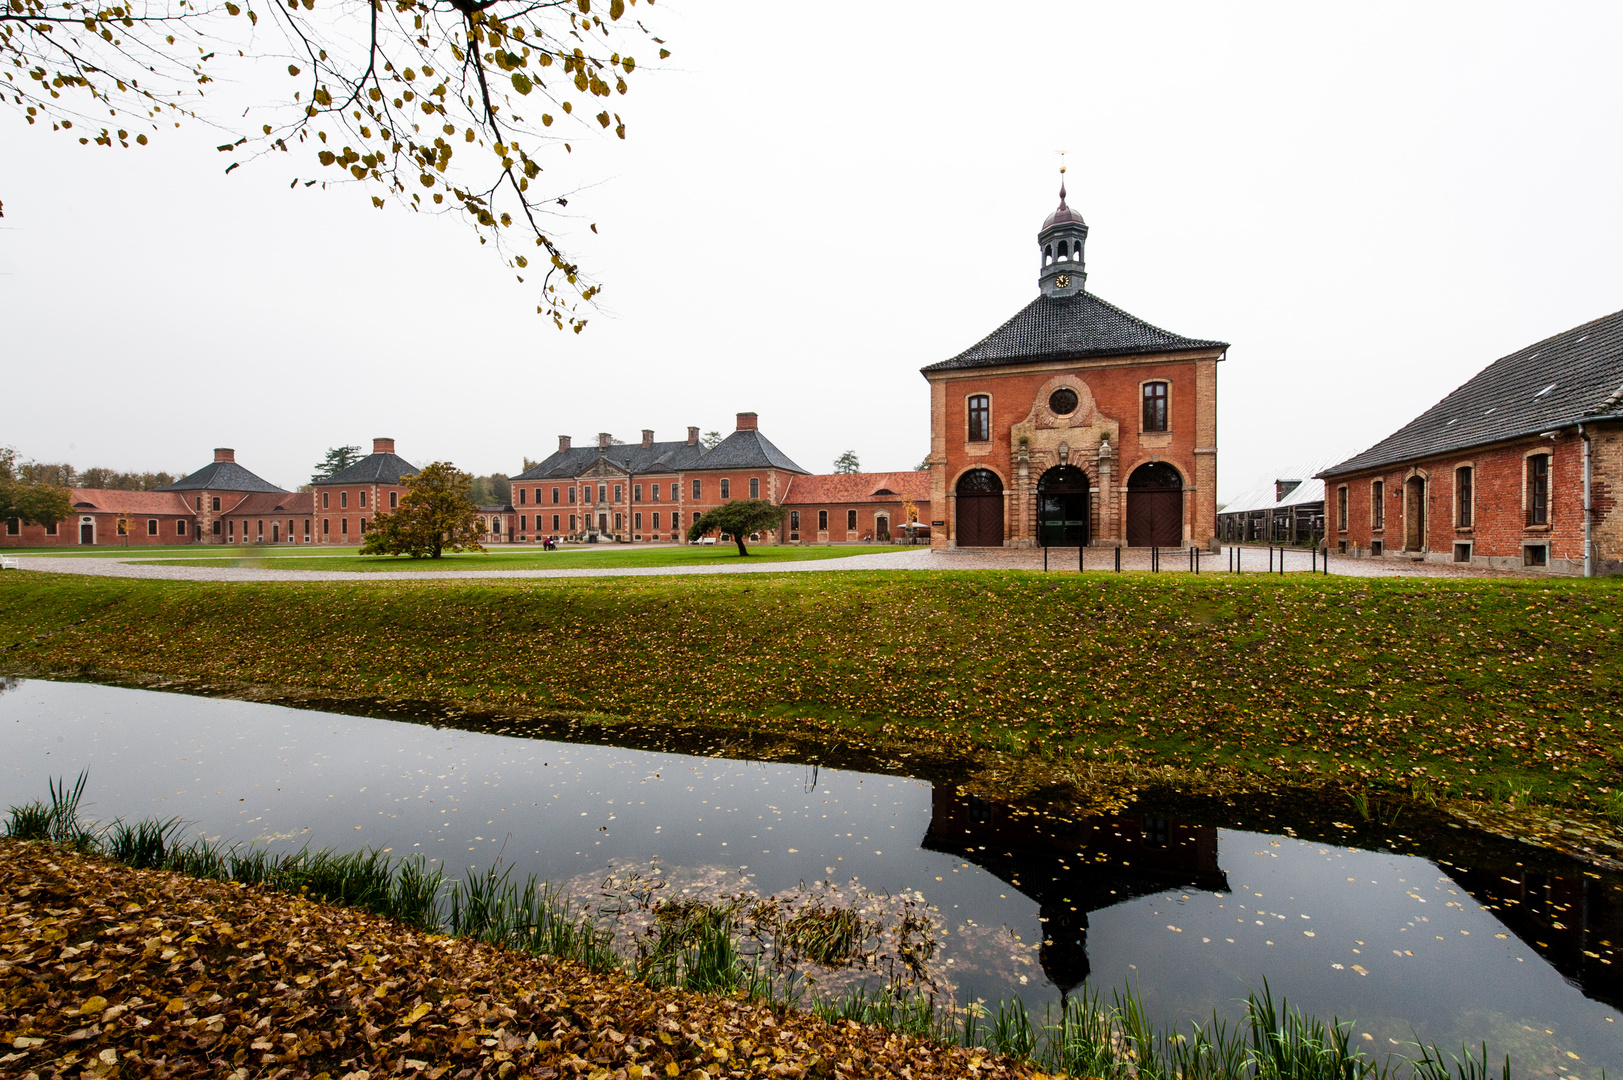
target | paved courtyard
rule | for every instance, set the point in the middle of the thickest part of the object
(1253, 560)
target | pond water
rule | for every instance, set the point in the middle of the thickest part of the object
(1454, 937)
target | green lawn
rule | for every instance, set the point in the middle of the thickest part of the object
(1498, 691)
(533, 558)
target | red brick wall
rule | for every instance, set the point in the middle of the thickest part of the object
(105, 529)
(773, 483)
(1116, 410)
(338, 523)
(1498, 529)
(867, 525)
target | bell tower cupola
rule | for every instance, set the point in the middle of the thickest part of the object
(1061, 239)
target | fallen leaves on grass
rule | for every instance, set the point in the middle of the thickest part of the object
(107, 971)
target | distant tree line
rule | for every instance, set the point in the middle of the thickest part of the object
(60, 474)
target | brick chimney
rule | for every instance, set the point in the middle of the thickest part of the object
(603, 438)
(693, 436)
(746, 421)
(647, 437)
(383, 446)
(563, 443)
(224, 453)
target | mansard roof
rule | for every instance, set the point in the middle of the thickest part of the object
(740, 450)
(1551, 384)
(1051, 328)
(384, 468)
(222, 476)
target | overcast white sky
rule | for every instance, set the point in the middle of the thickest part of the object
(1370, 201)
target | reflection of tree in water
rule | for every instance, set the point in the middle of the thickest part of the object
(1072, 866)
(9, 682)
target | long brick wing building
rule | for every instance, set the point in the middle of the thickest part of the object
(1074, 422)
(1520, 466)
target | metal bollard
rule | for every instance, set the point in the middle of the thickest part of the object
(1081, 557)
(1118, 558)
(1315, 566)
(1045, 558)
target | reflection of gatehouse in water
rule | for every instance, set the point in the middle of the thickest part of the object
(1073, 865)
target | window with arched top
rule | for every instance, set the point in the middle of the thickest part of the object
(1048, 254)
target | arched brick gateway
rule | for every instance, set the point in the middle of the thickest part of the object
(1155, 506)
(979, 514)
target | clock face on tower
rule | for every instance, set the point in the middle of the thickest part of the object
(1063, 280)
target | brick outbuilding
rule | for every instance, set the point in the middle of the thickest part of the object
(1074, 422)
(217, 489)
(106, 516)
(846, 507)
(1518, 467)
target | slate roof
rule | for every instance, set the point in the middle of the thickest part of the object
(1551, 384)
(740, 450)
(745, 450)
(271, 503)
(858, 488)
(221, 476)
(637, 458)
(1075, 326)
(372, 469)
(135, 503)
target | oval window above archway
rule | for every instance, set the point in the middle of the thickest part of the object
(1062, 402)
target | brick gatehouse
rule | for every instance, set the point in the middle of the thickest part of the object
(1074, 422)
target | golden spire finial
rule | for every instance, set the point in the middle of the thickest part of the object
(1061, 154)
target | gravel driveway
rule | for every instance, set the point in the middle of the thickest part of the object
(1253, 560)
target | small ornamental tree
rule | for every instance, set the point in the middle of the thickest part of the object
(435, 513)
(738, 519)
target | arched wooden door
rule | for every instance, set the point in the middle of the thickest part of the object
(979, 521)
(1155, 506)
(1063, 507)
